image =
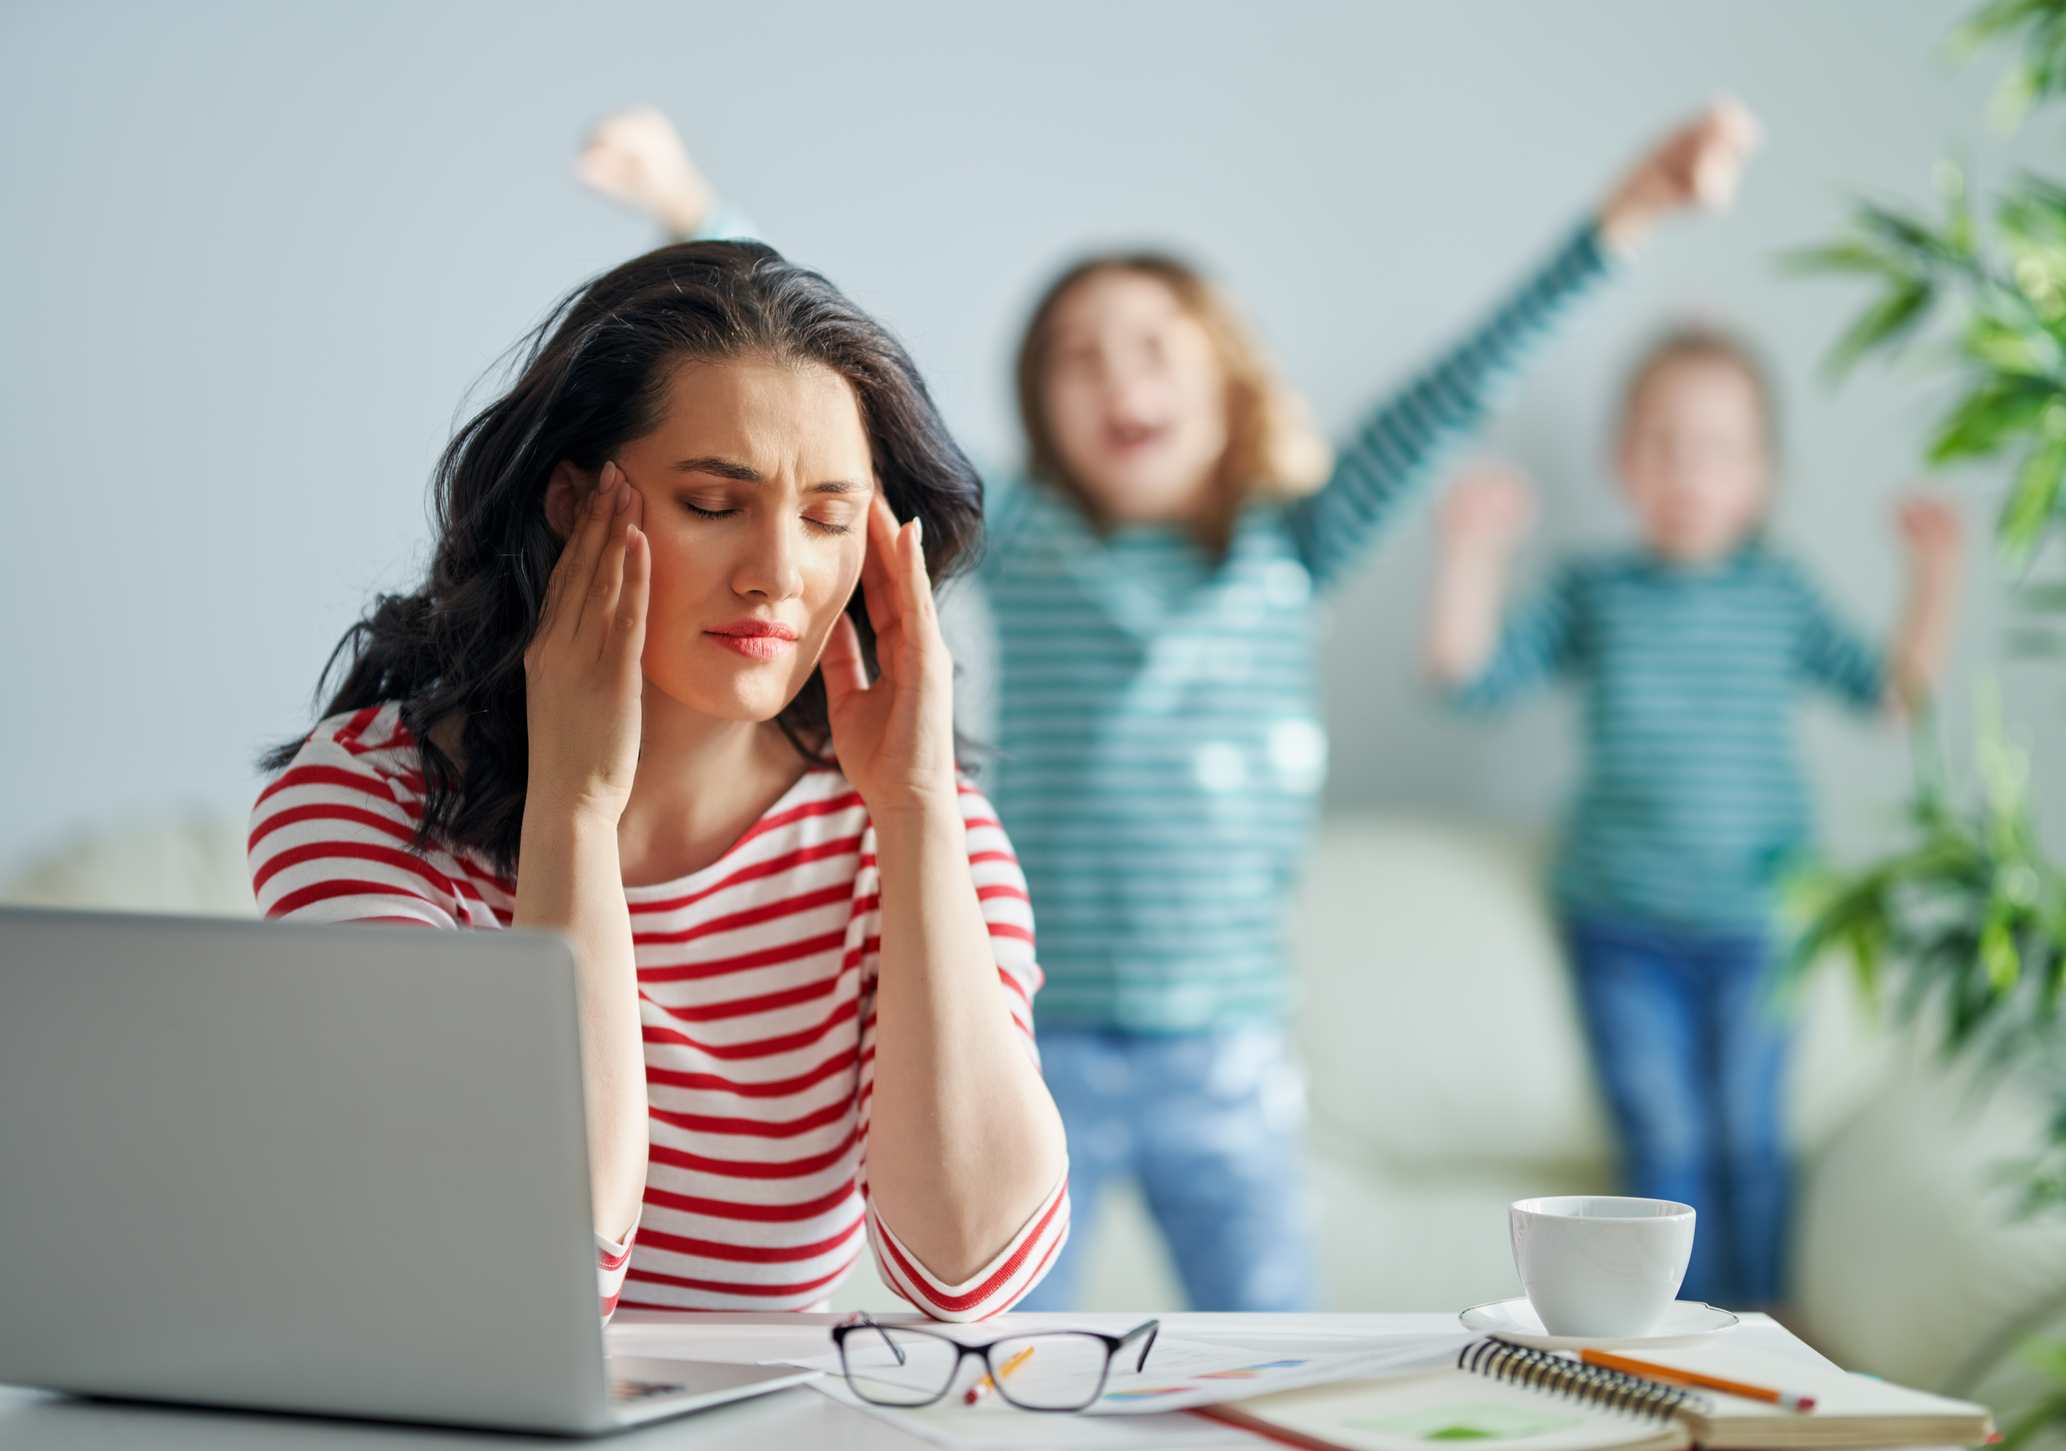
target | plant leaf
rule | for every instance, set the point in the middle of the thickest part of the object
(1849, 256)
(2020, 348)
(2033, 499)
(1882, 326)
(2047, 1357)
(1989, 416)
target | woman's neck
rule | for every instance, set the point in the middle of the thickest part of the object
(701, 782)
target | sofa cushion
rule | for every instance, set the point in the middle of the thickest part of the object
(190, 861)
(1437, 1023)
(1909, 1262)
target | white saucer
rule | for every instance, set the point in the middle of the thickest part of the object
(1687, 1322)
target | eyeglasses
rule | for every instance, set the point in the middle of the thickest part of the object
(1042, 1370)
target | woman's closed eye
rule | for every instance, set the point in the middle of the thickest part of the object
(831, 519)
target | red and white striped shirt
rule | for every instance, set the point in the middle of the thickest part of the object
(757, 992)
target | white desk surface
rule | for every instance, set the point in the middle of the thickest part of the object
(800, 1417)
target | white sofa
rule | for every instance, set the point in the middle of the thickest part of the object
(1448, 1078)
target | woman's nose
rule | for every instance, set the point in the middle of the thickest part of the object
(770, 568)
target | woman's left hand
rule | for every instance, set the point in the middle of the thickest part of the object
(895, 737)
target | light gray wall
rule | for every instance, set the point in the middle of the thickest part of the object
(252, 256)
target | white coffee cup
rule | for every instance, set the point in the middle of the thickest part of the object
(1601, 1265)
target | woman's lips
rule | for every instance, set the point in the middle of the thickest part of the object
(755, 639)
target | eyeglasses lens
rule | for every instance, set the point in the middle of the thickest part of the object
(1063, 1373)
(892, 1366)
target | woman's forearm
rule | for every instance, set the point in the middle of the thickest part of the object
(964, 1142)
(568, 881)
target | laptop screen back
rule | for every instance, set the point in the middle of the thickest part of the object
(332, 1169)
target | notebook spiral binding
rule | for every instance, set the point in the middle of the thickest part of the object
(1589, 1385)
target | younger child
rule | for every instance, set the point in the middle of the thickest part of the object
(1691, 651)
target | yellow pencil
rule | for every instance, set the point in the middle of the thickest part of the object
(1648, 1370)
(983, 1387)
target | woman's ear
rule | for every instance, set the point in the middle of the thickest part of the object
(563, 497)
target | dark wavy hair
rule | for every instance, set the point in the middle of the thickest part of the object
(592, 377)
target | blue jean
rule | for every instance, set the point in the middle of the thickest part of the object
(1212, 1127)
(1691, 1052)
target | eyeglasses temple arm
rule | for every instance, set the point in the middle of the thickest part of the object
(895, 1349)
(1152, 1328)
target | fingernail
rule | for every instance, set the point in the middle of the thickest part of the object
(623, 496)
(917, 529)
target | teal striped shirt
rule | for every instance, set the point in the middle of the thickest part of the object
(1160, 746)
(1691, 803)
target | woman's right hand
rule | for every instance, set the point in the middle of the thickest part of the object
(582, 677)
(582, 684)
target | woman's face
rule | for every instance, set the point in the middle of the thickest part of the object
(755, 490)
(1694, 458)
(1136, 397)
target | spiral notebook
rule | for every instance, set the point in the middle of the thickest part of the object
(1500, 1392)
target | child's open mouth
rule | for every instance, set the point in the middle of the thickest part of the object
(1123, 438)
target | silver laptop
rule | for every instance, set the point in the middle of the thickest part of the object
(318, 1169)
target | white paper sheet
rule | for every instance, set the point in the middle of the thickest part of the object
(1182, 1373)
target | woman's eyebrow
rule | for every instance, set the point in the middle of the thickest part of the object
(726, 468)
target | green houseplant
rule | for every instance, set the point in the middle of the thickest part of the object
(1968, 920)
(1963, 928)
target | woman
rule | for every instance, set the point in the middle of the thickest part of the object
(633, 704)
(1156, 588)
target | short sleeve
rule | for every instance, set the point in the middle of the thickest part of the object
(330, 837)
(1536, 643)
(1832, 655)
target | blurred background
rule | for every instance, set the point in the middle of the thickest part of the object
(253, 258)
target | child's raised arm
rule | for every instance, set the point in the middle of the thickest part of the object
(1935, 545)
(1488, 510)
(1696, 165)
(638, 157)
